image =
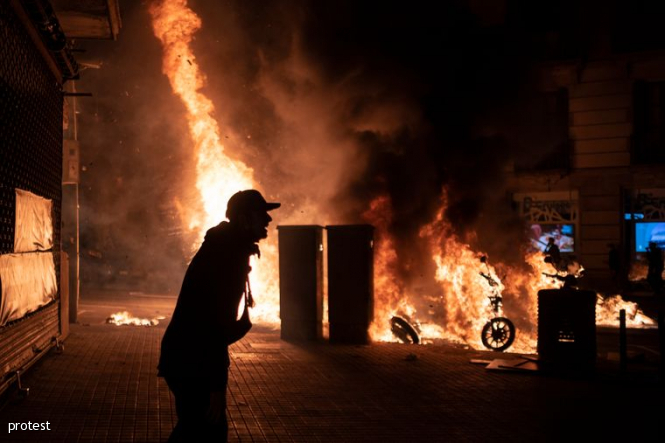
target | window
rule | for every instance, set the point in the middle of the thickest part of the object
(638, 26)
(549, 119)
(649, 122)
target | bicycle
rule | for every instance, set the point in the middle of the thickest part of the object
(498, 333)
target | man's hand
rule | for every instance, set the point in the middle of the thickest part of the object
(239, 328)
(244, 324)
(245, 315)
(217, 409)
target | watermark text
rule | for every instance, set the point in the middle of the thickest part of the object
(29, 426)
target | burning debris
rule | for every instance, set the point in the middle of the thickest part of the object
(403, 330)
(456, 304)
(569, 278)
(499, 332)
(124, 318)
(607, 312)
(464, 307)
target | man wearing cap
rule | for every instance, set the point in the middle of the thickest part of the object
(194, 358)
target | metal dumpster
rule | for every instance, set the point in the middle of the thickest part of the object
(567, 329)
(301, 281)
(350, 282)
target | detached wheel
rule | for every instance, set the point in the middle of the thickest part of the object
(404, 331)
(498, 334)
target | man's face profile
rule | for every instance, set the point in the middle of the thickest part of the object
(257, 224)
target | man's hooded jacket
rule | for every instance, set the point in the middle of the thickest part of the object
(204, 323)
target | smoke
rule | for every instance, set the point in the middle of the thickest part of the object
(331, 103)
(136, 171)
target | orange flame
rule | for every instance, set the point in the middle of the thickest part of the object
(465, 301)
(466, 293)
(388, 293)
(219, 175)
(607, 312)
(391, 296)
(124, 318)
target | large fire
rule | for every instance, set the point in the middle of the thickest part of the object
(457, 310)
(390, 297)
(463, 306)
(459, 302)
(219, 173)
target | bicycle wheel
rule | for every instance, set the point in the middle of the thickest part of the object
(498, 334)
(404, 331)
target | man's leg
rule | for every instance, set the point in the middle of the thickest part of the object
(192, 401)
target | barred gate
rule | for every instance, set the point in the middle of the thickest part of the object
(31, 113)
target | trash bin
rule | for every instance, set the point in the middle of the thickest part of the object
(567, 329)
(350, 282)
(301, 281)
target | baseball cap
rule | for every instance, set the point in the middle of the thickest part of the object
(248, 200)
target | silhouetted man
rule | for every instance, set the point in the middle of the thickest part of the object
(655, 272)
(614, 262)
(194, 360)
(553, 253)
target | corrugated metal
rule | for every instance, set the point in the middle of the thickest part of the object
(24, 339)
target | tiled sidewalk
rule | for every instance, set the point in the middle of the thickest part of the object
(104, 388)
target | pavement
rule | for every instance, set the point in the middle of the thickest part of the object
(103, 388)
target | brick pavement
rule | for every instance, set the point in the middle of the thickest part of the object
(104, 388)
